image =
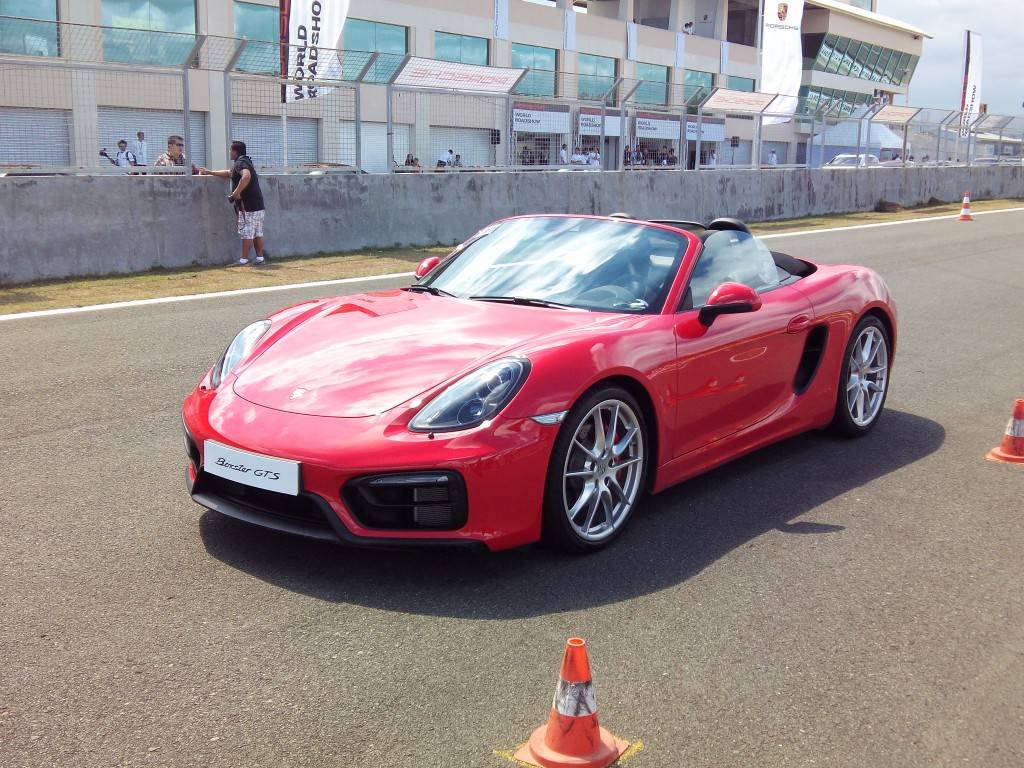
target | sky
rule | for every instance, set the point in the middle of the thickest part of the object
(939, 76)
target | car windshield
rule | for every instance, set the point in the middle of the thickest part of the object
(593, 264)
(844, 160)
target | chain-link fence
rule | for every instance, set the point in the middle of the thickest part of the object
(87, 99)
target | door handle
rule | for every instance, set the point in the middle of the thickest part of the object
(798, 323)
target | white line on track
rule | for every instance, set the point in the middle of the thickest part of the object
(198, 296)
(395, 275)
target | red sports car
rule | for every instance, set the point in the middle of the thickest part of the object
(535, 384)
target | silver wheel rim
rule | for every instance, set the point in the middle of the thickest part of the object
(603, 469)
(868, 376)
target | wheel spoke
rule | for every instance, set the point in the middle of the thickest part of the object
(589, 451)
(581, 473)
(626, 463)
(854, 383)
(598, 433)
(595, 503)
(874, 385)
(867, 349)
(860, 404)
(623, 445)
(613, 424)
(617, 492)
(581, 502)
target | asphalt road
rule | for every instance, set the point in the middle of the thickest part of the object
(821, 602)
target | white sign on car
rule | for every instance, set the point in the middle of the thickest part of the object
(252, 469)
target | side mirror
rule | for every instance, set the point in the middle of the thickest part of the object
(427, 266)
(729, 299)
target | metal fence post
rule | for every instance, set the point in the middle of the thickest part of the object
(229, 124)
(389, 117)
(186, 106)
(358, 110)
(700, 136)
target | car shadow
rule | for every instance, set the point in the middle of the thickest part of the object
(676, 534)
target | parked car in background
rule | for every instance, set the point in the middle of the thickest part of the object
(852, 161)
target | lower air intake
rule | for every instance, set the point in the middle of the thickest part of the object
(416, 500)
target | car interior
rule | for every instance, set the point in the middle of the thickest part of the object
(730, 253)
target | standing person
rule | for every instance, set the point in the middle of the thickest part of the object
(175, 154)
(247, 198)
(712, 159)
(563, 154)
(139, 148)
(773, 159)
(125, 158)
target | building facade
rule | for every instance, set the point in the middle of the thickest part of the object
(852, 54)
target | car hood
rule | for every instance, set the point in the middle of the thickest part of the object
(357, 356)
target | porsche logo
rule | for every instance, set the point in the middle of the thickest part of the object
(783, 10)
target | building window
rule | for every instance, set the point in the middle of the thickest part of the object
(596, 76)
(34, 32)
(833, 101)
(159, 32)
(540, 79)
(697, 86)
(741, 83)
(261, 24)
(390, 41)
(653, 88)
(460, 48)
(843, 56)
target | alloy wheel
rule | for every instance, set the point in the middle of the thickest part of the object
(603, 470)
(868, 376)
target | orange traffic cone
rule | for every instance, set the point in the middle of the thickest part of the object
(965, 208)
(572, 736)
(1012, 447)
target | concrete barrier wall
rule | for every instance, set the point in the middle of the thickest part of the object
(74, 226)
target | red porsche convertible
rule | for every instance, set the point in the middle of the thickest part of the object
(535, 384)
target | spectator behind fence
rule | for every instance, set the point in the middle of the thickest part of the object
(457, 162)
(773, 158)
(408, 159)
(247, 199)
(125, 158)
(175, 154)
(446, 158)
(139, 148)
(563, 154)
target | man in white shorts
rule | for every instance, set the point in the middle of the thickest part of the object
(247, 199)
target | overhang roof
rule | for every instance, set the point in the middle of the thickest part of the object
(868, 16)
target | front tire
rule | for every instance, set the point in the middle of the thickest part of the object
(863, 380)
(597, 472)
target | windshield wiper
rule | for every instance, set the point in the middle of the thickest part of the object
(421, 288)
(522, 300)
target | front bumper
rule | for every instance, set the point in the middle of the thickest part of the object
(502, 467)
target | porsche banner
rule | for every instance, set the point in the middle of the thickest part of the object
(310, 37)
(970, 97)
(781, 55)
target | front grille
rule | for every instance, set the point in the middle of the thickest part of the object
(302, 509)
(434, 500)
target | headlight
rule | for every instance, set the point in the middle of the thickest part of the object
(238, 349)
(473, 399)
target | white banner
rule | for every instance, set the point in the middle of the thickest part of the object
(681, 50)
(631, 42)
(540, 118)
(569, 43)
(657, 126)
(710, 130)
(501, 19)
(590, 122)
(782, 55)
(450, 75)
(314, 35)
(970, 98)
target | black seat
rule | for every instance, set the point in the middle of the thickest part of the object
(725, 223)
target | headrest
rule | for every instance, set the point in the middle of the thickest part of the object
(729, 224)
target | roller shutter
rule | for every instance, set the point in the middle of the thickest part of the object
(474, 144)
(263, 137)
(375, 146)
(35, 137)
(120, 123)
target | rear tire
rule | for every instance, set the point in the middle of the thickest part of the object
(863, 379)
(596, 476)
